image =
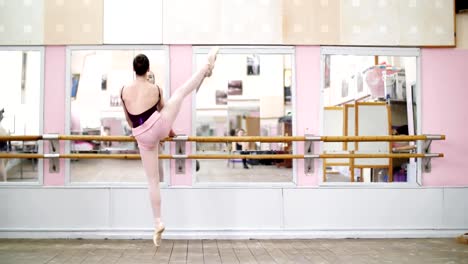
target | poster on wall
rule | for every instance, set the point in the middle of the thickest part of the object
(235, 87)
(359, 82)
(221, 97)
(104, 82)
(287, 86)
(253, 65)
(327, 71)
(344, 88)
(74, 85)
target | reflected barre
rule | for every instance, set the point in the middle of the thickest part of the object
(6, 155)
(229, 138)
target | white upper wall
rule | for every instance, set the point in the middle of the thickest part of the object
(133, 22)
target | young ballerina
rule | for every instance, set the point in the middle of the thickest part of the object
(141, 101)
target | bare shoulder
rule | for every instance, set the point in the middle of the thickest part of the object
(154, 89)
(127, 89)
(160, 90)
(123, 91)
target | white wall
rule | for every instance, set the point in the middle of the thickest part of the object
(235, 213)
(33, 92)
(10, 76)
(234, 67)
(141, 24)
(16, 120)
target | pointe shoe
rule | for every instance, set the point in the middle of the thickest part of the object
(211, 60)
(158, 235)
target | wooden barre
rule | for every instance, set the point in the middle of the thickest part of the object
(376, 138)
(381, 156)
(20, 138)
(233, 139)
(4, 155)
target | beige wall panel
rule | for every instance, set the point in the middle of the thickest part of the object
(191, 22)
(427, 22)
(21, 22)
(369, 22)
(462, 31)
(311, 22)
(73, 21)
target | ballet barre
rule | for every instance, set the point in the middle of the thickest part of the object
(180, 156)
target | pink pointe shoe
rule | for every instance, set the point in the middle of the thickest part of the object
(158, 235)
(211, 60)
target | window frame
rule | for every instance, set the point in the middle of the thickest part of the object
(415, 179)
(69, 49)
(40, 150)
(274, 50)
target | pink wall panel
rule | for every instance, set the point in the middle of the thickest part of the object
(444, 108)
(443, 92)
(54, 107)
(307, 105)
(181, 70)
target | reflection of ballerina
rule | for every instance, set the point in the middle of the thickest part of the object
(3, 147)
(241, 147)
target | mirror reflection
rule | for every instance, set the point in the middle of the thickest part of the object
(20, 113)
(249, 94)
(96, 77)
(369, 96)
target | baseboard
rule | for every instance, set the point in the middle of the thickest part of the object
(228, 234)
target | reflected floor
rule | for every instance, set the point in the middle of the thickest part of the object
(108, 170)
(24, 170)
(222, 171)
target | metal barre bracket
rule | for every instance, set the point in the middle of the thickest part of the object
(427, 150)
(308, 154)
(53, 156)
(50, 136)
(180, 155)
(433, 137)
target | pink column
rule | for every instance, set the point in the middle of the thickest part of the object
(307, 105)
(54, 107)
(444, 107)
(181, 70)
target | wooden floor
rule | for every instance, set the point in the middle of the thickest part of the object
(234, 251)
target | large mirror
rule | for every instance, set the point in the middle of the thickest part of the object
(96, 78)
(20, 111)
(249, 94)
(369, 95)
